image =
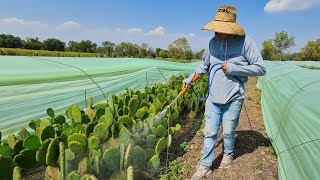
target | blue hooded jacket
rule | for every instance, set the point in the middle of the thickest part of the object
(243, 59)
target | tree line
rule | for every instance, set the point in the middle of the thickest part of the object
(272, 49)
(179, 49)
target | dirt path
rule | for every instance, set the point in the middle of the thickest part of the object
(254, 158)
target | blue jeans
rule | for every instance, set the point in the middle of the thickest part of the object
(215, 113)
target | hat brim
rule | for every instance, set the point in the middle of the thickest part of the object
(224, 27)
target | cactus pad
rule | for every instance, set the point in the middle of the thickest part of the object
(52, 153)
(32, 142)
(133, 106)
(160, 145)
(139, 157)
(6, 167)
(111, 159)
(94, 143)
(6, 151)
(47, 132)
(151, 141)
(153, 165)
(23, 134)
(161, 131)
(101, 131)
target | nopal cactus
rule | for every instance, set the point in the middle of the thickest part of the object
(23, 134)
(52, 153)
(139, 157)
(125, 120)
(50, 112)
(16, 174)
(94, 143)
(78, 143)
(161, 131)
(41, 153)
(153, 165)
(134, 105)
(140, 113)
(6, 167)
(47, 132)
(101, 131)
(111, 159)
(151, 140)
(62, 161)
(11, 140)
(6, 151)
(32, 142)
(26, 159)
(160, 145)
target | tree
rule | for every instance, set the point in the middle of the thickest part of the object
(82, 46)
(32, 43)
(311, 51)
(180, 49)
(282, 41)
(163, 54)
(199, 54)
(52, 44)
(108, 48)
(268, 50)
(9, 41)
(126, 50)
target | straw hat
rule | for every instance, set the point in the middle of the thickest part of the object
(225, 22)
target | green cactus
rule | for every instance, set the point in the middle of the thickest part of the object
(125, 110)
(153, 165)
(133, 106)
(18, 146)
(85, 119)
(151, 140)
(160, 145)
(90, 102)
(88, 177)
(111, 159)
(11, 140)
(125, 120)
(140, 113)
(100, 112)
(73, 176)
(127, 99)
(139, 157)
(26, 159)
(161, 131)
(94, 143)
(101, 105)
(41, 153)
(139, 126)
(23, 134)
(118, 175)
(69, 155)
(122, 156)
(89, 128)
(161, 98)
(174, 114)
(101, 131)
(84, 166)
(50, 112)
(6, 151)
(109, 117)
(59, 120)
(128, 156)
(78, 143)
(52, 173)
(130, 175)
(47, 132)
(152, 109)
(150, 152)
(76, 114)
(62, 161)
(124, 137)
(144, 104)
(154, 131)
(6, 167)
(177, 127)
(53, 153)
(32, 142)
(192, 115)
(95, 161)
(16, 174)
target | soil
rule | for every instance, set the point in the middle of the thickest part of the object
(254, 156)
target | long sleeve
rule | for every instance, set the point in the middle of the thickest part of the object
(202, 69)
(255, 65)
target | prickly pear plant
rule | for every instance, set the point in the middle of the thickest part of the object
(122, 156)
(32, 142)
(118, 175)
(109, 119)
(124, 137)
(6, 151)
(161, 131)
(151, 141)
(16, 174)
(153, 165)
(23, 134)
(90, 102)
(73, 176)
(139, 157)
(95, 161)
(53, 153)
(41, 153)
(161, 97)
(62, 161)
(84, 166)
(69, 155)
(6, 167)
(89, 128)
(78, 143)
(26, 159)
(18, 146)
(140, 113)
(52, 173)
(88, 177)
(11, 140)
(125, 120)
(60, 119)
(160, 145)
(127, 156)
(130, 175)
(134, 105)
(50, 112)
(94, 143)
(101, 131)
(47, 132)
(150, 153)
(111, 158)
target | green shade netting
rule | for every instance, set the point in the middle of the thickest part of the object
(291, 112)
(30, 85)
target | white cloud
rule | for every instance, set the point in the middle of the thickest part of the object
(159, 31)
(68, 26)
(289, 5)
(135, 30)
(192, 35)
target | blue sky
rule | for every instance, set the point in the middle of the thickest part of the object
(156, 22)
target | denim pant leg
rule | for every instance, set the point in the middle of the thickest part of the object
(230, 122)
(213, 116)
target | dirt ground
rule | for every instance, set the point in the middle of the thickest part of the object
(254, 157)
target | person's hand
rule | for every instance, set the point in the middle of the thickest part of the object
(185, 85)
(224, 66)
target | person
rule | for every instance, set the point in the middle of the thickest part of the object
(229, 59)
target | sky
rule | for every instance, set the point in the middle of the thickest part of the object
(157, 23)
